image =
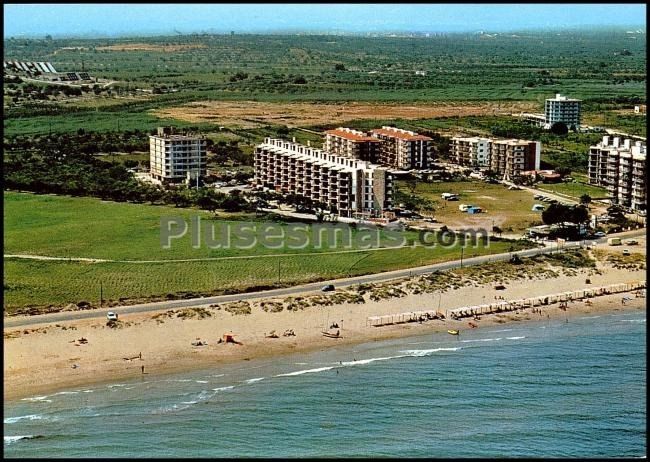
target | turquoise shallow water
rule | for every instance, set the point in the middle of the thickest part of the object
(548, 388)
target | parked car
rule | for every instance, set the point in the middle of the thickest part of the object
(599, 234)
(631, 242)
(626, 252)
(328, 288)
(111, 316)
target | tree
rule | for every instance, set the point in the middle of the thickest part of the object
(497, 230)
(339, 67)
(559, 128)
(585, 199)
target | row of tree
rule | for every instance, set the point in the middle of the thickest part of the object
(81, 174)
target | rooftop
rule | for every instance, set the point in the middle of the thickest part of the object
(350, 135)
(401, 134)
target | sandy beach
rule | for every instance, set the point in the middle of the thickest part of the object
(49, 357)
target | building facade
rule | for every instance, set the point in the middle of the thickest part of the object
(347, 186)
(404, 149)
(471, 151)
(508, 158)
(347, 142)
(620, 166)
(562, 109)
(511, 158)
(176, 158)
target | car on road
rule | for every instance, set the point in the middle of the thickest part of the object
(626, 252)
(631, 242)
(111, 316)
(599, 234)
(328, 288)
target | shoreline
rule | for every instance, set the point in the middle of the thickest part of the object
(165, 342)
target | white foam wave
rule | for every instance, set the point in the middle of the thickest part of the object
(632, 320)
(88, 391)
(369, 360)
(189, 402)
(418, 353)
(201, 381)
(13, 439)
(254, 380)
(10, 420)
(481, 340)
(224, 388)
(38, 399)
(66, 393)
(116, 385)
(589, 317)
(516, 338)
(501, 330)
(306, 371)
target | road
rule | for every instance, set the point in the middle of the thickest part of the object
(21, 321)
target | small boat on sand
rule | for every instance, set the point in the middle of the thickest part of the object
(453, 332)
(332, 335)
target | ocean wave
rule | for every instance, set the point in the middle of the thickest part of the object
(306, 371)
(201, 381)
(360, 362)
(254, 380)
(116, 385)
(10, 420)
(516, 338)
(419, 353)
(482, 340)
(38, 399)
(230, 387)
(589, 317)
(500, 330)
(632, 320)
(13, 439)
(66, 393)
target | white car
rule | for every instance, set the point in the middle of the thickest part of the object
(111, 316)
(599, 234)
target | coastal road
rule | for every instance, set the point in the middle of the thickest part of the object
(21, 321)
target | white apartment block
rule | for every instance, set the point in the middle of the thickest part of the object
(562, 109)
(620, 166)
(175, 158)
(348, 186)
(471, 151)
(356, 144)
(508, 158)
(404, 149)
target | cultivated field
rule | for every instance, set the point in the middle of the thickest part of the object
(253, 114)
(128, 235)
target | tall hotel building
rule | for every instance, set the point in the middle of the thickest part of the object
(348, 186)
(508, 158)
(403, 149)
(562, 109)
(352, 143)
(175, 158)
(471, 151)
(620, 166)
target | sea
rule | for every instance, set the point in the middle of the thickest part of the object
(548, 388)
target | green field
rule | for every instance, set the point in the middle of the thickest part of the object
(90, 228)
(575, 190)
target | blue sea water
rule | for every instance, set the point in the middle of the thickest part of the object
(547, 388)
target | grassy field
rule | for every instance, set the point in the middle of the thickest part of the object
(507, 209)
(84, 227)
(575, 190)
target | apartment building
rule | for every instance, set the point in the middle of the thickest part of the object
(620, 166)
(175, 158)
(471, 151)
(511, 158)
(403, 149)
(508, 158)
(348, 186)
(562, 109)
(356, 144)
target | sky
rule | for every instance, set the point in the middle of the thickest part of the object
(114, 19)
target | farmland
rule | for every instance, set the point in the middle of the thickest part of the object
(128, 234)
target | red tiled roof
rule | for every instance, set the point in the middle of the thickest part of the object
(350, 136)
(400, 135)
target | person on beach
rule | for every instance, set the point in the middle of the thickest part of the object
(140, 355)
(143, 369)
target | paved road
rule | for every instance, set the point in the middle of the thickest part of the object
(174, 304)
